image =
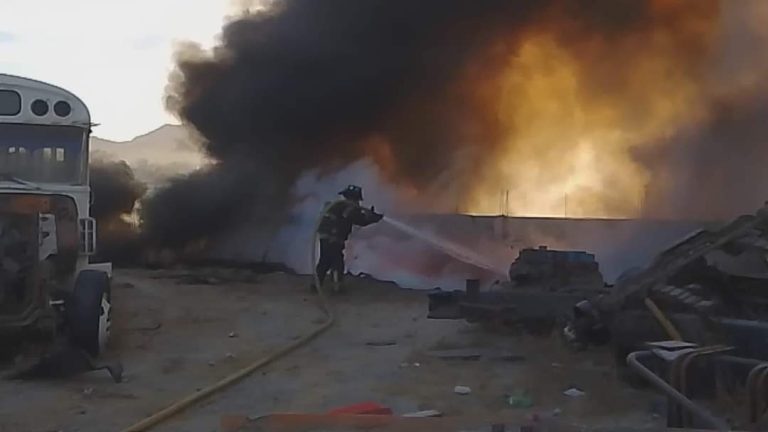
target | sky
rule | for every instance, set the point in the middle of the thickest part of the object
(113, 54)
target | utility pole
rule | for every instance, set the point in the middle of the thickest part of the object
(506, 203)
(644, 203)
(502, 203)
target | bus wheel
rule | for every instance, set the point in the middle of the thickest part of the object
(89, 312)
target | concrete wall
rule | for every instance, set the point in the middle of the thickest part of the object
(617, 244)
(387, 253)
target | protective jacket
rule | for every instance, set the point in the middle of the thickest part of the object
(339, 217)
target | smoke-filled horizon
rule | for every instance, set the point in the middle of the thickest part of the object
(116, 191)
(617, 107)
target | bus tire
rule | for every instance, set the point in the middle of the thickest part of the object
(89, 312)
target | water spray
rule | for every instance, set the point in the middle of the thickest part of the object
(454, 250)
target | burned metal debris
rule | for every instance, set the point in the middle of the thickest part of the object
(708, 292)
(712, 288)
(544, 285)
(704, 383)
(554, 270)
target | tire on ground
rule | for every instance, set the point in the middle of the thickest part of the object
(89, 311)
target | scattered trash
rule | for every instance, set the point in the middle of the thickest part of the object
(556, 412)
(417, 364)
(211, 363)
(462, 390)
(229, 355)
(88, 391)
(520, 399)
(381, 343)
(232, 334)
(425, 413)
(574, 392)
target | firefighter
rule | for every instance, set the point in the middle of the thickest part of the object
(335, 226)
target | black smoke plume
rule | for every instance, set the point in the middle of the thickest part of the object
(411, 84)
(115, 194)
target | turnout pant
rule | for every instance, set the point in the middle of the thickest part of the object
(331, 258)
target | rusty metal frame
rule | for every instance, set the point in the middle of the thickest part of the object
(677, 391)
(679, 376)
(634, 361)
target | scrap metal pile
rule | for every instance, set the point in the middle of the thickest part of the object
(712, 288)
(705, 298)
(544, 285)
(709, 294)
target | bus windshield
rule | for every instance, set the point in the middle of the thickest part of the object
(42, 153)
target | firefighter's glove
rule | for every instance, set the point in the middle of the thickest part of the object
(376, 217)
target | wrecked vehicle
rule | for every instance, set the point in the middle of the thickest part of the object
(711, 287)
(49, 290)
(544, 285)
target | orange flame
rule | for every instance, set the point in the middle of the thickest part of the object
(573, 110)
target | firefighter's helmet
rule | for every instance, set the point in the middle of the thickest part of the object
(352, 192)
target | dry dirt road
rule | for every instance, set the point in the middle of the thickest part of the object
(172, 332)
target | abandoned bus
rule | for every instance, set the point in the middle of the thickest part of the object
(47, 236)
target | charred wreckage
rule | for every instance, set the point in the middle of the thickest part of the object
(692, 323)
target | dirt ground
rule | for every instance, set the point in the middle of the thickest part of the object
(179, 331)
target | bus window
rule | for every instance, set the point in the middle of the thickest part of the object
(42, 153)
(10, 103)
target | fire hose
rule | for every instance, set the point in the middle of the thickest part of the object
(184, 403)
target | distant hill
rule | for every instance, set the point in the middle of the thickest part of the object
(155, 156)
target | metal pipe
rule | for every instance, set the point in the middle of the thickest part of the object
(751, 391)
(755, 382)
(760, 388)
(633, 360)
(752, 384)
(739, 360)
(663, 320)
(685, 363)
